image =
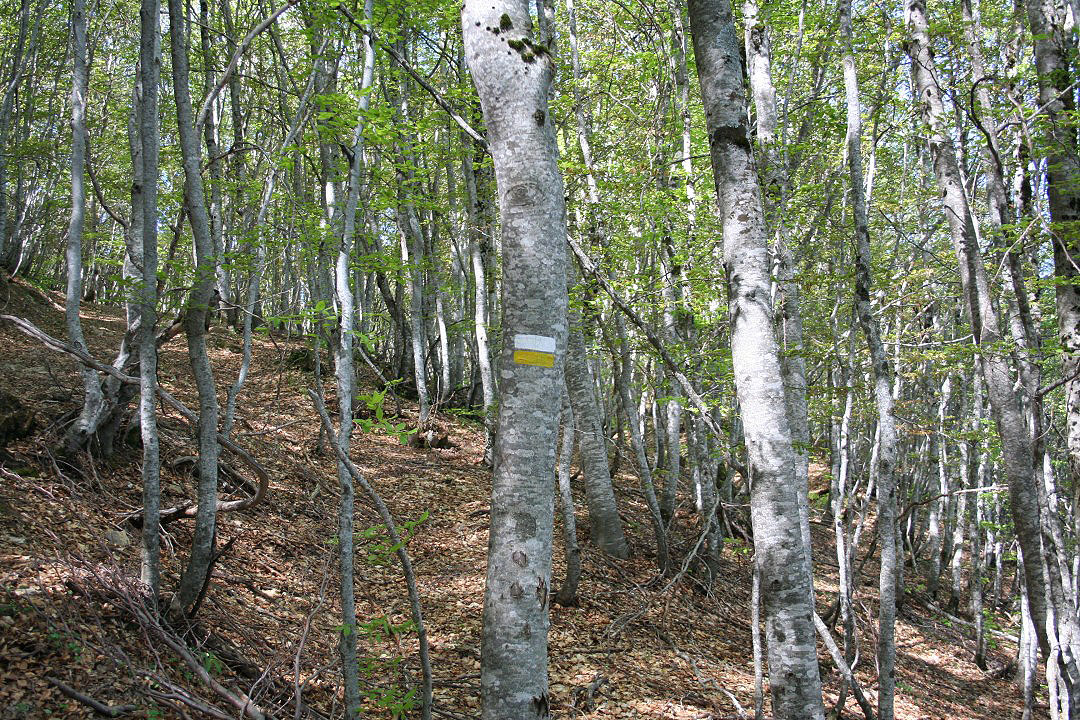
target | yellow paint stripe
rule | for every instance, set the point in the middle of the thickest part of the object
(534, 357)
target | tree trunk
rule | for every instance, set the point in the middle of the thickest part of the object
(479, 248)
(621, 355)
(1015, 440)
(605, 527)
(779, 550)
(1055, 48)
(7, 102)
(513, 75)
(93, 407)
(146, 175)
(194, 577)
(567, 595)
(879, 361)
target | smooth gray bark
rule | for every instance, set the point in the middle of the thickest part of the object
(345, 372)
(232, 394)
(883, 376)
(7, 102)
(215, 161)
(194, 576)
(1004, 404)
(775, 173)
(779, 548)
(605, 526)
(567, 595)
(146, 172)
(93, 407)
(621, 356)
(513, 82)
(1054, 49)
(479, 248)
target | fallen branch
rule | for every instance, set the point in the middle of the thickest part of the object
(705, 680)
(968, 623)
(237, 699)
(297, 687)
(99, 707)
(177, 694)
(620, 623)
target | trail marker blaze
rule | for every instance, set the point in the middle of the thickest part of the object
(537, 350)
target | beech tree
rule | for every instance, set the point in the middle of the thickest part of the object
(874, 328)
(779, 552)
(512, 65)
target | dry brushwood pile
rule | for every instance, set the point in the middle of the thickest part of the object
(76, 641)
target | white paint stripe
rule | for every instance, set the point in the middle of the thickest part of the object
(538, 343)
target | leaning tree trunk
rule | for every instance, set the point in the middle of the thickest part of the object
(513, 74)
(1015, 438)
(779, 552)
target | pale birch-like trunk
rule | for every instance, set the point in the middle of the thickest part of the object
(1055, 49)
(779, 547)
(345, 371)
(145, 153)
(882, 370)
(78, 435)
(605, 527)
(567, 595)
(513, 74)
(1015, 440)
(621, 355)
(758, 50)
(215, 161)
(479, 247)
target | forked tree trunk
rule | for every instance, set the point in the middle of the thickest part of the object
(779, 551)
(513, 73)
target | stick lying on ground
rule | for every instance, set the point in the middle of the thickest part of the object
(99, 707)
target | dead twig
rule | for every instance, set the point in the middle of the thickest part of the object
(99, 707)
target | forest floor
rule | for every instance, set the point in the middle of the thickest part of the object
(268, 623)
